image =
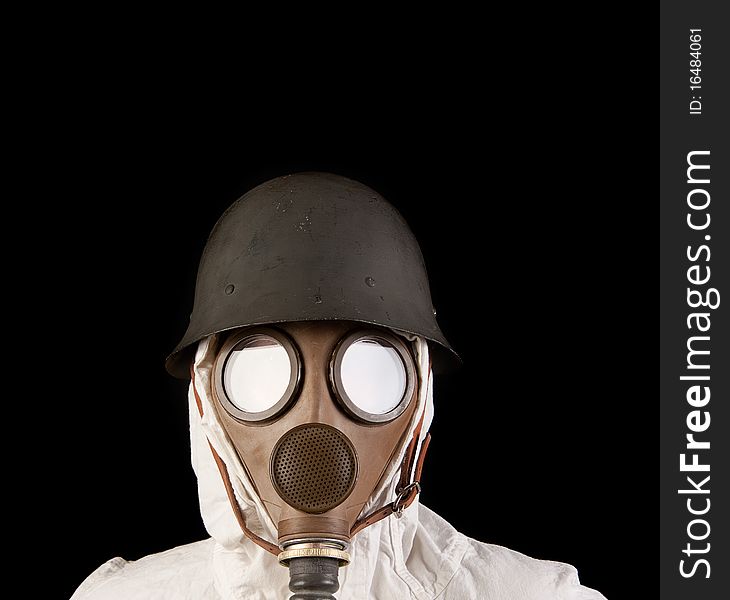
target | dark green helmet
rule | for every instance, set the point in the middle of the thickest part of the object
(308, 247)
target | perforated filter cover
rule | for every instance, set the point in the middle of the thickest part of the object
(313, 468)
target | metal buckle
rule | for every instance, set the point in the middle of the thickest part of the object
(398, 507)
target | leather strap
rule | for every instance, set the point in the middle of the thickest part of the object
(407, 490)
(268, 546)
(410, 456)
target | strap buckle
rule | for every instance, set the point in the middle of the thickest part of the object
(398, 503)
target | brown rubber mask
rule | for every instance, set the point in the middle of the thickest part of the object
(316, 412)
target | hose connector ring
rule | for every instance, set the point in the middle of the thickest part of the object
(315, 550)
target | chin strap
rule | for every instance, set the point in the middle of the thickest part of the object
(268, 546)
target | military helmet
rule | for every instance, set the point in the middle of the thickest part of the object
(309, 247)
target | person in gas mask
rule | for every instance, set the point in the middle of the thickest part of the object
(310, 352)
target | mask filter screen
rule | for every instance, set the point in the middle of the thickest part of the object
(313, 468)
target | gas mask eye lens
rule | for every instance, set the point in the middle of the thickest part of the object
(257, 376)
(373, 376)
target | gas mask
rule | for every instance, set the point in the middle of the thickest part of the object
(302, 282)
(316, 411)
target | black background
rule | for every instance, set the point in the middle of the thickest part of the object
(531, 206)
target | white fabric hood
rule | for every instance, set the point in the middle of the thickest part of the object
(416, 557)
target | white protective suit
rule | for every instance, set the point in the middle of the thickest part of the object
(418, 556)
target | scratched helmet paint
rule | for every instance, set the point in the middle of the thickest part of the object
(311, 246)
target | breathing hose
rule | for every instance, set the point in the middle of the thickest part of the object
(314, 568)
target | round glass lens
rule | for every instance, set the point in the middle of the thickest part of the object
(373, 376)
(256, 374)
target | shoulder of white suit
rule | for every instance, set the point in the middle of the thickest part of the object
(184, 571)
(492, 572)
(479, 570)
(499, 573)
